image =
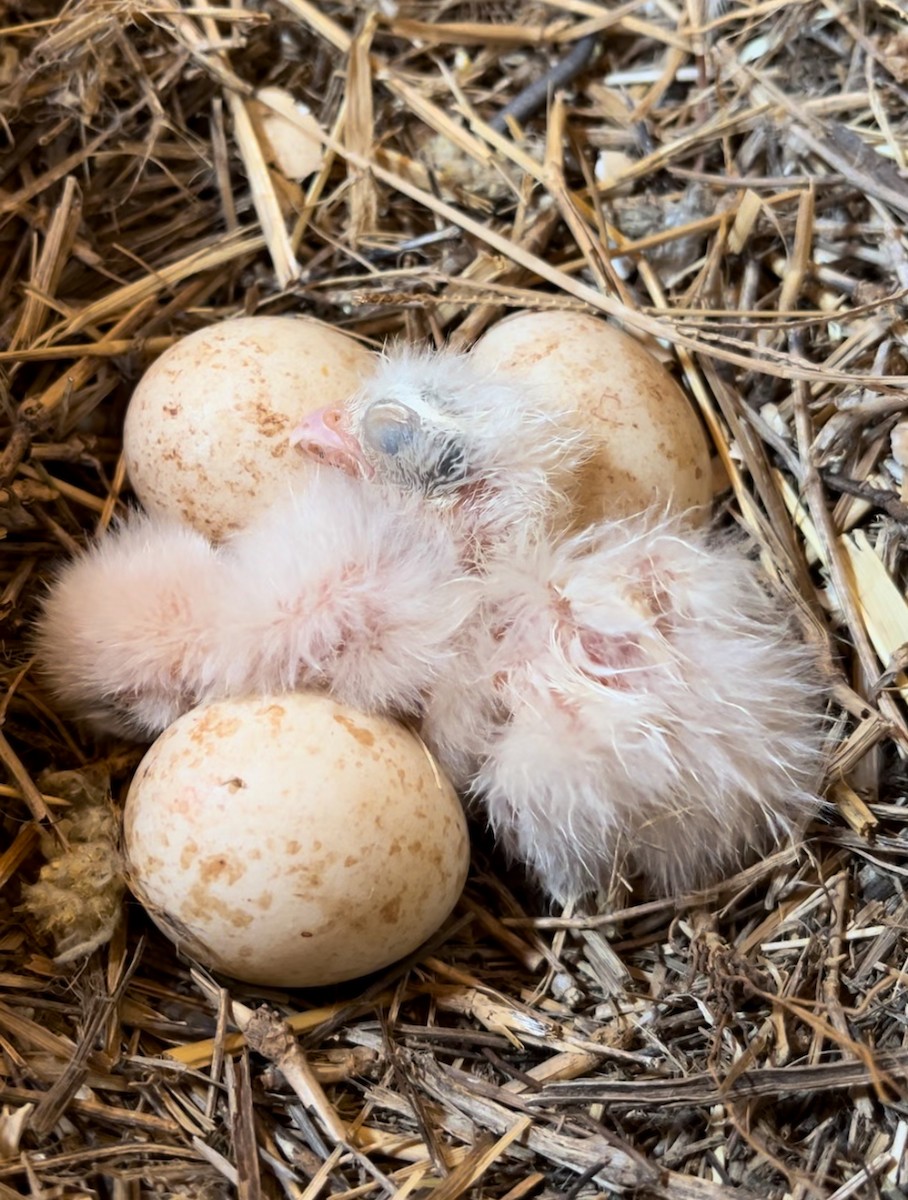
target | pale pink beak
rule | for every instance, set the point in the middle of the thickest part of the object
(321, 435)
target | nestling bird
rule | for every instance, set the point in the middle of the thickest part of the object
(648, 709)
(626, 700)
(629, 700)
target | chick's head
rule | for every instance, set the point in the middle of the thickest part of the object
(434, 425)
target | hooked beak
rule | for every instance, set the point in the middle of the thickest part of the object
(321, 436)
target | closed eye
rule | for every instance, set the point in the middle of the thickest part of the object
(389, 427)
(419, 453)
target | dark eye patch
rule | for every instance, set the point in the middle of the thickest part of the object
(450, 465)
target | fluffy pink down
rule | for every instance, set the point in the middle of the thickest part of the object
(628, 702)
(338, 587)
(645, 709)
(344, 587)
(125, 630)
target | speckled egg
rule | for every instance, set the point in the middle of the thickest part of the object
(650, 446)
(292, 841)
(206, 438)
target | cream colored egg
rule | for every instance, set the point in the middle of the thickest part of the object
(651, 448)
(207, 430)
(293, 841)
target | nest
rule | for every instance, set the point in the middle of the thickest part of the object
(727, 180)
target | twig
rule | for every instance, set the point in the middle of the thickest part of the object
(540, 91)
(879, 497)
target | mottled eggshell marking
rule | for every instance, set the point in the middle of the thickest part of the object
(292, 841)
(206, 438)
(651, 447)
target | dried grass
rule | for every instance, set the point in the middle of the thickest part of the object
(748, 1041)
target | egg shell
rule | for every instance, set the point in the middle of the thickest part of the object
(651, 448)
(292, 841)
(288, 130)
(898, 441)
(206, 437)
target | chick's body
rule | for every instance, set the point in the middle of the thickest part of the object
(339, 586)
(637, 704)
(627, 700)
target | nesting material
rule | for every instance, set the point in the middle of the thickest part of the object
(738, 1042)
(291, 132)
(899, 443)
(78, 898)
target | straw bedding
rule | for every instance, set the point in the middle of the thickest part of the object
(747, 1041)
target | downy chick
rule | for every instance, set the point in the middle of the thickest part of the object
(630, 700)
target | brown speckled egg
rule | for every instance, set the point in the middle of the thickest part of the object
(292, 841)
(207, 430)
(651, 448)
